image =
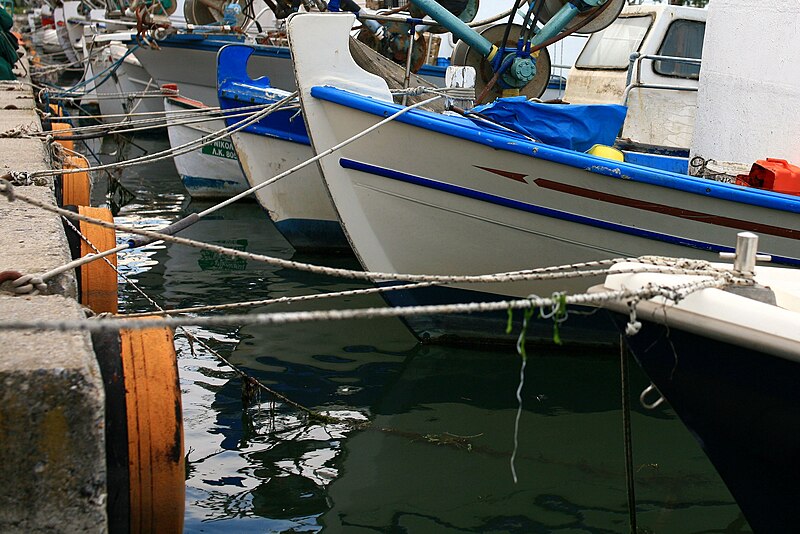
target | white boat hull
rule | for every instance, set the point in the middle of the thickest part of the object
(299, 204)
(211, 171)
(414, 199)
(129, 78)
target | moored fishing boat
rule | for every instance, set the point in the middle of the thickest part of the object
(468, 198)
(211, 171)
(727, 360)
(119, 79)
(190, 60)
(298, 205)
(648, 60)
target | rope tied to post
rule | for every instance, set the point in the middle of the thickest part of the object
(22, 284)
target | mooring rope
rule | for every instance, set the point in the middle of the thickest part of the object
(99, 324)
(195, 339)
(175, 151)
(150, 118)
(284, 300)
(697, 267)
(105, 73)
(123, 127)
(691, 266)
(630, 485)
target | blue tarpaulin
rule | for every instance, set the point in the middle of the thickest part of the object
(574, 126)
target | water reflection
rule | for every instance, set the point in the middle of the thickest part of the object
(429, 450)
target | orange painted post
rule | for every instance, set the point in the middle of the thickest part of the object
(76, 186)
(155, 430)
(98, 279)
(62, 130)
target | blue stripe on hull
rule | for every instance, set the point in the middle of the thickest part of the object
(544, 211)
(314, 235)
(462, 128)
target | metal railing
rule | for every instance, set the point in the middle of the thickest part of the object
(635, 66)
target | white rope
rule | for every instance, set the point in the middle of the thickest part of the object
(284, 300)
(176, 151)
(123, 127)
(317, 157)
(99, 324)
(544, 273)
(34, 284)
(198, 115)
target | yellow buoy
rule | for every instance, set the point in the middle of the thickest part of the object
(608, 152)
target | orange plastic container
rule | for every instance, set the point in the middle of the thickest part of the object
(773, 175)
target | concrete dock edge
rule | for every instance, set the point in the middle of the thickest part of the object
(52, 445)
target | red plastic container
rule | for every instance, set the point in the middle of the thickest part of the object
(773, 175)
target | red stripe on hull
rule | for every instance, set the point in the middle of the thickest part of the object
(669, 210)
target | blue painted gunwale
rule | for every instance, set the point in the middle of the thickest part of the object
(545, 211)
(236, 89)
(285, 124)
(465, 129)
(213, 42)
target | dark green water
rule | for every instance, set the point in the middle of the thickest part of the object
(435, 453)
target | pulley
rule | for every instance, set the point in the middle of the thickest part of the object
(608, 15)
(464, 55)
(463, 9)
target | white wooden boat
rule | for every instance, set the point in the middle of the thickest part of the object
(728, 362)
(66, 32)
(190, 60)
(120, 73)
(464, 199)
(211, 171)
(299, 204)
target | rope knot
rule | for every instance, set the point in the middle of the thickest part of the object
(21, 178)
(634, 326)
(23, 284)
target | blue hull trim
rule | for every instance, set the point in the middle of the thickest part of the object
(432, 71)
(314, 235)
(741, 406)
(665, 163)
(595, 329)
(463, 128)
(544, 211)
